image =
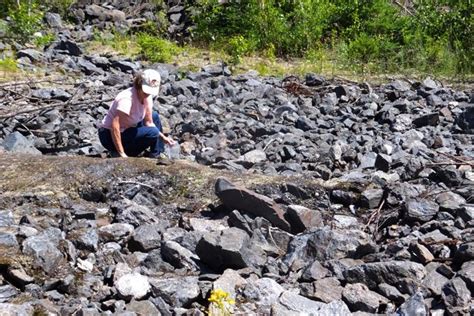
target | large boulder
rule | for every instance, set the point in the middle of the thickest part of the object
(230, 248)
(390, 272)
(235, 197)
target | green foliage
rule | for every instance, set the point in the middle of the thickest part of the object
(156, 49)
(44, 40)
(58, 6)
(8, 65)
(25, 20)
(377, 35)
(237, 47)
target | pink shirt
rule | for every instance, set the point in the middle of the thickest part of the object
(128, 103)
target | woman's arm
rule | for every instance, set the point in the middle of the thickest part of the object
(116, 136)
(148, 121)
(167, 140)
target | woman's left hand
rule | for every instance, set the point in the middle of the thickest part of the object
(150, 124)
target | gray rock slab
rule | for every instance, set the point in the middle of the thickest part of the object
(414, 306)
(456, 296)
(225, 249)
(327, 290)
(178, 256)
(115, 232)
(359, 298)
(44, 249)
(142, 308)
(290, 303)
(390, 272)
(17, 143)
(302, 218)
(146, 237)
(420, 210)
(7, 293)
(235, 197)
(325, 244)
(176, 291)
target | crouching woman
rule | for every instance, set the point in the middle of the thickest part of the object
(131, 126)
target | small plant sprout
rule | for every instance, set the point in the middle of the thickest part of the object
(220, 303)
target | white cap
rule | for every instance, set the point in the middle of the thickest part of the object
(151, 82)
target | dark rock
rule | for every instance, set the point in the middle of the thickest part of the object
(234, 197)
(177, 292)
(371, 198)
(383, 162)
(312, 80)
(53, 20)
(451, 202)
(8, 240)
(146, 237)
(324, 244)
(427, 119)
(34, 55)
(290, 303)
(94, 11)
(456, 296)
(89, 68)
(465, 252)
(466, 120)
(305, 124)
(125, 66)
(131, 212)
(7, 293)
(390, 272)
(391, 292)
(314, 271)
(19, 277)
(302, 218)
(359, 298)
(68, 47)
(327, 290)
(447, 174)
(87, 240)
(466, 273)
(344, 197)
(44, 249)
(17, 143)
(224, 250)
(178, 256)
(115, 232)
(142, 308)
(414, 306)
(420, 210)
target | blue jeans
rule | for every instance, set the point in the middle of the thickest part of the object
(135, 140)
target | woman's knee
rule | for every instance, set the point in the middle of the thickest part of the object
(152, 132)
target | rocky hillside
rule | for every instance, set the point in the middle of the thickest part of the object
(295, 196)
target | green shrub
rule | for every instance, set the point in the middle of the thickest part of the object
(156, 49)
(44, 40)
(61, 7)
(237, 47)
(8, 65)
(435, 36)
(25, 20)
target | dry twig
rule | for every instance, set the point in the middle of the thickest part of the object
(374, 214)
